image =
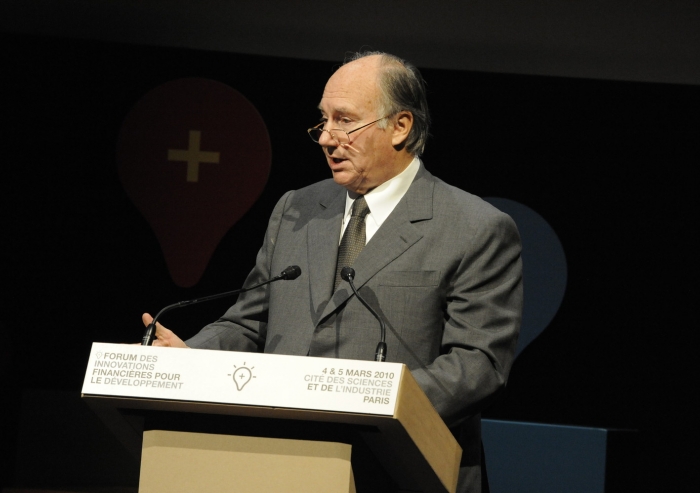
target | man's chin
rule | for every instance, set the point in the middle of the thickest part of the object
(342, 177)
(346, 180)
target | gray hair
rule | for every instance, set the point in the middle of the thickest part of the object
(402, 89)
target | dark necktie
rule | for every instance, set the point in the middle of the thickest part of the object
(354, 238)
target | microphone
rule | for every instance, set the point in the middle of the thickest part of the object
(288, 274)
(348, 274)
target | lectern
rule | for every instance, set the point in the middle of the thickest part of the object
(407, 436)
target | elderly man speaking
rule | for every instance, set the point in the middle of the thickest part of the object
(440, 266)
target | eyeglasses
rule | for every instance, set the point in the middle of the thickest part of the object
(341, 137)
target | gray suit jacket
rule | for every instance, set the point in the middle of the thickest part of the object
(444, 271)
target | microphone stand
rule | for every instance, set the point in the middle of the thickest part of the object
(348, 274)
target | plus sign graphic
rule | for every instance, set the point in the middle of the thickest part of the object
(193, 155)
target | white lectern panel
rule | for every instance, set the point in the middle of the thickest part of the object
(254, 379)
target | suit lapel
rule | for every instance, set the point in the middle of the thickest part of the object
(396, 235)
(323, 237)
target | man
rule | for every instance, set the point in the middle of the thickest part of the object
(441, 266)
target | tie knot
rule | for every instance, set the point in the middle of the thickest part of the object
(360, 207)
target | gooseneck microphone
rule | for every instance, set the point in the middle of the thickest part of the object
(348, 274)
(291, 272)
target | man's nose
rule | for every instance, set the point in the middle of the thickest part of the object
(326, 140)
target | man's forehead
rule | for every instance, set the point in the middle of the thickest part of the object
(338, 107)
(349, 94)
(341, 94)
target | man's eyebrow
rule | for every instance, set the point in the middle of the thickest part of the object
(342, 111)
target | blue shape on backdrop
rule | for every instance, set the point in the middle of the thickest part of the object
(544, 269)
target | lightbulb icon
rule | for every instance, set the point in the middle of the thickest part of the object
(242, 376)
(194, 155)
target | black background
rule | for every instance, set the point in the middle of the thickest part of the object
(609, 165)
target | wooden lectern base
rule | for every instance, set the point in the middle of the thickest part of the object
(174, 462)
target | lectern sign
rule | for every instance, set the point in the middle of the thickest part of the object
(254, 379)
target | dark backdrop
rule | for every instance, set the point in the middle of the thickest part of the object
(607, 164)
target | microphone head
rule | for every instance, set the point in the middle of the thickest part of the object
(291, 272)
(347, 274)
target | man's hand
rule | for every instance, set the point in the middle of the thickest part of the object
(164, 337)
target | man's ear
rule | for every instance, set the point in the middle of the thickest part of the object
(403, 123)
